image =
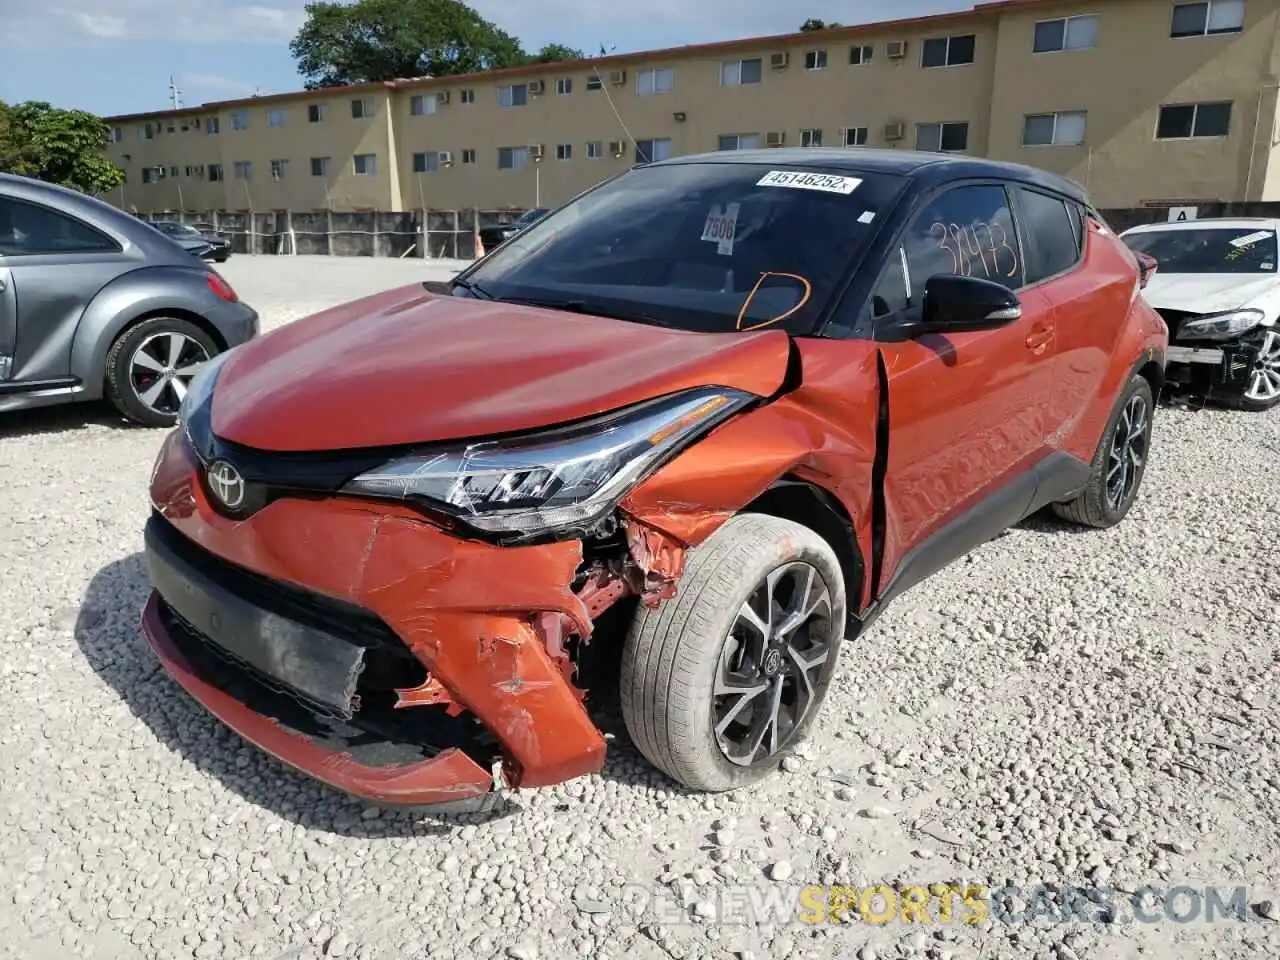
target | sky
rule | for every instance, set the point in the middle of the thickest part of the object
(116, 56)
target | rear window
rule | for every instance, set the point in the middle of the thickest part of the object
(1209, 250)
(700, 246)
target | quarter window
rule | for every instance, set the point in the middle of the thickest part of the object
(1053, 246)
(948, 51)
(1066, 33)
(1207, 19)
(28, 229)
(1188, 120)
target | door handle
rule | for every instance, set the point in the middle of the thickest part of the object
(1039, 338)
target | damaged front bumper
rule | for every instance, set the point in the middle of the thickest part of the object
(373, 651)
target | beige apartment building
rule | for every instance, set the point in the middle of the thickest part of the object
(1143, 101)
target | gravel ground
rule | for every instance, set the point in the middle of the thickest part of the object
(1061, 708)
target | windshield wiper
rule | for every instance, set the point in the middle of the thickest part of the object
(581, 306)
(473, 288)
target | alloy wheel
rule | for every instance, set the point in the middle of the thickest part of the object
(770, 664)
(1128, 452)
(162, 367)
(1264, 381)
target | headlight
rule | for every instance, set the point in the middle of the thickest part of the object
(570, 477)
(200, 386)
(1222, 326)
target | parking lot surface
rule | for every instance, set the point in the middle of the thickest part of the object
(1062, 708)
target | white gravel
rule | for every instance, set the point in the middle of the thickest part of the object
(1060, 708)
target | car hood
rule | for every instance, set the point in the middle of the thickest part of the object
(1206, 292)
(407, 366)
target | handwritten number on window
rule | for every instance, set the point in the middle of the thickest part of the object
(984, 245)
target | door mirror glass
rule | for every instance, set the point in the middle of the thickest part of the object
(954, 304)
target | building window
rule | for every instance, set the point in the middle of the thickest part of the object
(512, 158)
(239, 119)
(810, 138)
(361, 109)
(173, 171)
(428, 162)
(815, 60)
(737, 72)
(595, 149)
(117, 134)
(278, 169)
(243, 170)
(149, 174)
(275, 118)
(651, 151)
(145, 133)
(860, 56)
(942, 137)
(215, 172)
(1207, 19)
(422, 106)
(364, 164)
(594, 82)
(319, 166)
(564, 151)
(190, 171)
(212, 125)
(468, 156)
(948, 51)
(656, 80)
(315, 112)
(1066, 33)
(1065, 129)
(855, 136)
(564, 86)
(513, 95)
(1188, 120)
(739, 141)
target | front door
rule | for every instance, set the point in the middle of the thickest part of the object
(968, 412)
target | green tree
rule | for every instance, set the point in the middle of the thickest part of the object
(556, 53)
(61, 146)
(813, 23)
(371, 40)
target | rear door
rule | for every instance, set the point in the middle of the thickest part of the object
(1089, 287)
(968, 411)
(8, 321)
(54, 265)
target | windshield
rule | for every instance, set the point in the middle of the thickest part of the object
(1209, 250)
(699, 246)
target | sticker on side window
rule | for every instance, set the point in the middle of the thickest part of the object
(1251, 239)
(800, 180)
(720, 228)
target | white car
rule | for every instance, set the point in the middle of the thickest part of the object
(1218, 289)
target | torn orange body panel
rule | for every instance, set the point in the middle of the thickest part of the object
(437, 593)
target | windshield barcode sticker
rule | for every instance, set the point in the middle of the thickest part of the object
(799, 180)
(720, 228)
(1251, 239)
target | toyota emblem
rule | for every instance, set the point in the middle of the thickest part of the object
(226, 484)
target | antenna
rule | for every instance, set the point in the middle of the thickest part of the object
(609, 97)
(175, 95)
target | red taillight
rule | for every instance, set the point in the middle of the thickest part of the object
(221, 289)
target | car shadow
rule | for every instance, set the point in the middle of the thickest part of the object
(63, 418)
(109, 634)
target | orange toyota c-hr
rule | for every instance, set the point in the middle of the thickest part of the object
(740, 400)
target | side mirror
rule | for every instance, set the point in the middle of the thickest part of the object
(1147, 267)
(954, 304)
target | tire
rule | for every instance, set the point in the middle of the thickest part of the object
(129, 381)
(1262, 378)
(1096, 506)
(674, 654)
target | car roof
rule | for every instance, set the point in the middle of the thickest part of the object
(927, 168)
(1209, 223)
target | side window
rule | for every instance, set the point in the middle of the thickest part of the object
(967, 231)
(27, 229)
(1052, 232)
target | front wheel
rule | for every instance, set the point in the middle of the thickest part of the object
(1263, 390)
(1119, 464)
(150, 365)
(721, 682)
